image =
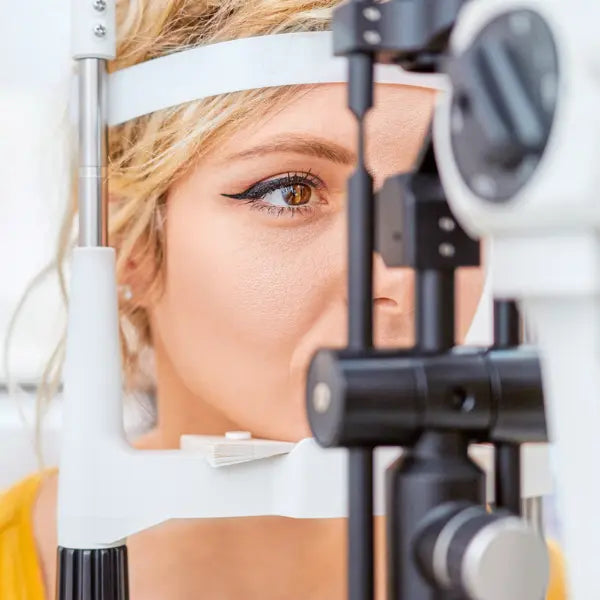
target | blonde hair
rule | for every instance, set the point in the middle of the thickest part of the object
(148, 154)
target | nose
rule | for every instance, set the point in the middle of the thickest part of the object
(393, 304)
(390, 286)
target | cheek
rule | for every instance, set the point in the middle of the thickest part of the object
(469, 282)
(230, 274)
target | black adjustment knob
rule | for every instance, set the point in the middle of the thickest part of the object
(513, 124)
(505, 91)
(99, 574)
(487, 556)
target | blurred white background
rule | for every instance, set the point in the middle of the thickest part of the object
(34, 147)
(34, 88)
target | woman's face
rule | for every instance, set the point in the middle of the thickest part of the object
(256, 256)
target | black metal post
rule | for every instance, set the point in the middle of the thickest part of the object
(360, 331)
(360, 525)
(435, 310)
(507, 324)
(507, 334)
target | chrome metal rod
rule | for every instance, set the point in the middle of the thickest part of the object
(533, 512)
(93, 145)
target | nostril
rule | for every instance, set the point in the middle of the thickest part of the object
(385, 302)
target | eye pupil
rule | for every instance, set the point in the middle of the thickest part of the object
(297, 194)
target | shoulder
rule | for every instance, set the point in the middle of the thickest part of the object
(15, 500)
(44, 512)
(18, 539)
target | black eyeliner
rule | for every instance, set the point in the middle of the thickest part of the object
(258, 190)
(262, 188)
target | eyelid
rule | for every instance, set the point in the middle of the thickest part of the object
(269, 185)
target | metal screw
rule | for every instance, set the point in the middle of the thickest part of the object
(447, 250)
(372, 14)
(372, 37)
(321, 397)
(99, 31)
(446, 224)
(100, 5)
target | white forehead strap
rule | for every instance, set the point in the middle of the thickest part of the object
(242, 64)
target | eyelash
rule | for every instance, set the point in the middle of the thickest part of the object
(254, 194)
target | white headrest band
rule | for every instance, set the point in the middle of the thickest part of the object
(242, 64)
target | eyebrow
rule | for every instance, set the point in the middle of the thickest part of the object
(299, 144)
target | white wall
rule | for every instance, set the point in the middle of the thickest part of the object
(34, 76)
(34, 41)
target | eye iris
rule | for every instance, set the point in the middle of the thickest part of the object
(297, 194)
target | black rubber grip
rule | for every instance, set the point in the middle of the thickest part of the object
(99, 574)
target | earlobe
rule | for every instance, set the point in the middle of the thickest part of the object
(125, 292)
(136, 279)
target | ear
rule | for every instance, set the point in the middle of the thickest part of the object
(139, 253)
(138, 273)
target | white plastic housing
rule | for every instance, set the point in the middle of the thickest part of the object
(87, 24)
(92, 418)
(108, 490)
(546, 253)
(273, 60)
(568, 333)
(561, 194)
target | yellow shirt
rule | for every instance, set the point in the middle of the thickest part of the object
(20, 571)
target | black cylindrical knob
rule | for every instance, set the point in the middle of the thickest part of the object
(374, 398)
(363, 399)
(516, 379)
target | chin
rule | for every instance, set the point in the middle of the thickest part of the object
(294, 430)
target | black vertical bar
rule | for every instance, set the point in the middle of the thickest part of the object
(507, 324)
(360, 214)
(508, 477)
(361, 221)
(360, 525)
(435, 310)
(507, 334)
(360, 257)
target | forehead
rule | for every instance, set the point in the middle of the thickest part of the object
(322, 110)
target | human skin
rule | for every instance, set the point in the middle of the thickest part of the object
(251, 294)
(251, 291)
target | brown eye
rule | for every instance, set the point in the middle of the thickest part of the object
(286, 195)
(297, 195)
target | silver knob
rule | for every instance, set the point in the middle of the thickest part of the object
(481, 555)
(506, 559)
